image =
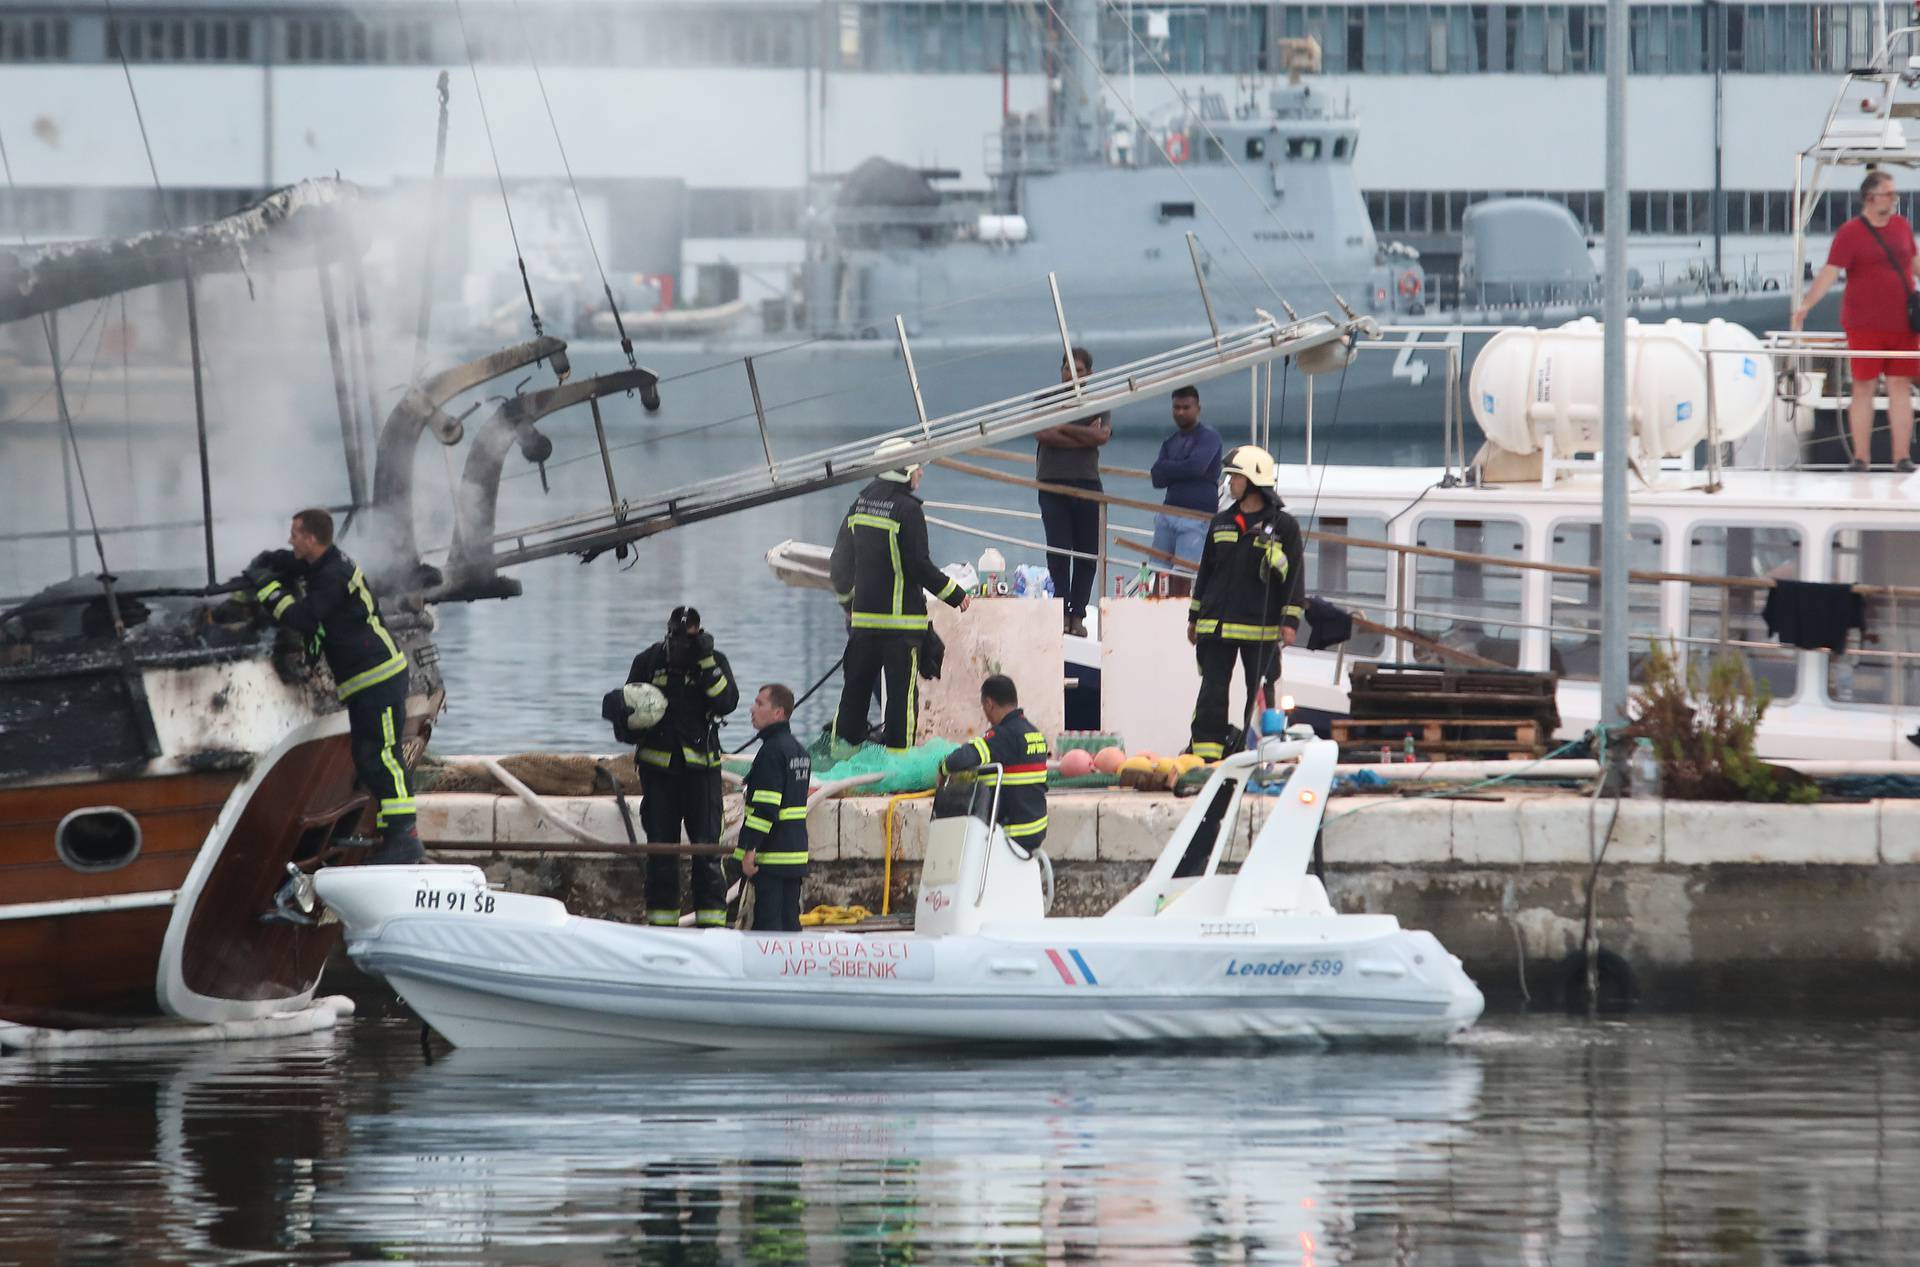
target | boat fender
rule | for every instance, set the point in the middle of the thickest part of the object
(1409, 284)
(1177, 147)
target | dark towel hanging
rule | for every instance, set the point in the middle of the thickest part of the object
(1328, 626)
(1814, 615)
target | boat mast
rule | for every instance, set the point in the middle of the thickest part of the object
(1614, 631)
(1077, 101)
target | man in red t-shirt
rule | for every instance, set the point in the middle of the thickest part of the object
(1873, 312)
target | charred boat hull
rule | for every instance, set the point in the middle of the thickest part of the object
(134, 891)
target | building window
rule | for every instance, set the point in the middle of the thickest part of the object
(35, 39)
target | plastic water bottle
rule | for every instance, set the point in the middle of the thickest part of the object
(1643, 772)
(1406, 748)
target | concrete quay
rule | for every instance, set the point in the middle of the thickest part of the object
(1700, 902)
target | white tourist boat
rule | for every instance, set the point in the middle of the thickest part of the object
(1191, 955)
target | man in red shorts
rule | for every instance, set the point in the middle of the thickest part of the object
(1876, 251)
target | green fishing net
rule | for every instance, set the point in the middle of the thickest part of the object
(915, 770)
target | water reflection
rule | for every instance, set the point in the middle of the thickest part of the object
(1671, 1141)
(1025, 1160)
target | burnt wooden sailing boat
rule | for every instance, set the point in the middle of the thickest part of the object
(166, 757)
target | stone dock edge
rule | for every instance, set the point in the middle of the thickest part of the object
(1694, 902)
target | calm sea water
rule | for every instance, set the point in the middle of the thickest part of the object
(1531, 1140)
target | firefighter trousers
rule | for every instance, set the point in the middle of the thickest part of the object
(377, 721)
(1216, 735)
(672, 799)
(776, 899)
(892, 659)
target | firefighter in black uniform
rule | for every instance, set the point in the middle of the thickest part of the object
(1247, 598)
(679, 764)
(340, 618)
(1020, 751)
(881, 574)
(773, 840)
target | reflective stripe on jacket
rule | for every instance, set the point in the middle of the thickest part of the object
(696, 701)
(880, 566)
(1021, 752)
(339, 617)
(775, 829)
(1252, 578)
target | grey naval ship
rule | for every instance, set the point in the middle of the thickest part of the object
(1257, 197)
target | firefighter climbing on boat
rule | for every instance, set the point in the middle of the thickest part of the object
(678, 758)
(772, 852)
(1015, 745)
(340, 618)
(1248, 598)
(881, 574)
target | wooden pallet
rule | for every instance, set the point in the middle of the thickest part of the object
(1434, 730)
(1437, 737)
(1488, 707)
(1452, 679)
(1448, 750)
(1386, 692)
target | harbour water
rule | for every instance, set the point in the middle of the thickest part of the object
(1534, 1139)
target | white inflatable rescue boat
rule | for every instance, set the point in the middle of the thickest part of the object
(1190, 955)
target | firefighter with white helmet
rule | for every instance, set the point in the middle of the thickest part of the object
(1248, 598)
(882, 573)
(677, 692)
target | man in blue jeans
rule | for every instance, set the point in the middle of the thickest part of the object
(1189, 469)
(1070, 455)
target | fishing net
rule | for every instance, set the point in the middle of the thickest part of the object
(915, 770)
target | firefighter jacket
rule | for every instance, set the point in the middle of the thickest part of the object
(775, 830)
(1252, 579)
(697, 699)
(1021, 753)
(880, 565)
(340, 618)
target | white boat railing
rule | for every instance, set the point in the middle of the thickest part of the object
(1411, 630)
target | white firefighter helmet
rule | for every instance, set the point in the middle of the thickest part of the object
(1252, 462)
(904, 474)
(645, 705)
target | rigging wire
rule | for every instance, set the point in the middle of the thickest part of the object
(784, 348)
(466, 41)
(66, 363)
(1239, 171)
(60, 392)
(199, 358)
(698, 428)
(626, 343)
(120, 47)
